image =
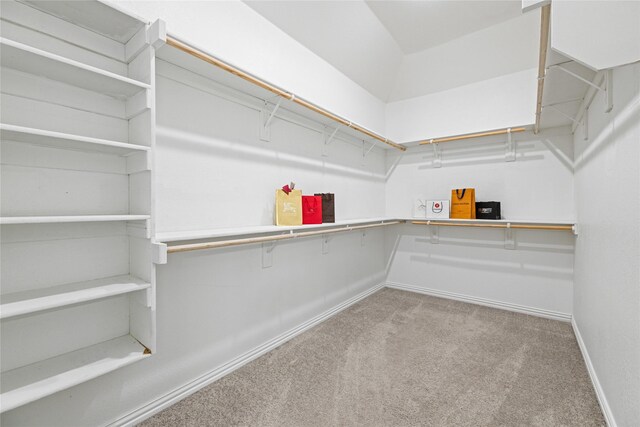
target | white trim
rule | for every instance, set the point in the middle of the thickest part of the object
(169, 399)
(533, 311)
(602, 399)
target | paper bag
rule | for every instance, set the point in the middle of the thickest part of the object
(311, 209)
(463, 203)
(289, 207)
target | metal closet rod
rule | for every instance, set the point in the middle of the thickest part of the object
(252, 240)
(499, 225)
(273, 89)
(473, 135)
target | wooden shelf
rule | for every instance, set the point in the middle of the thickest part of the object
(20, 303)
(67, 141)
(8, 220)
(176, 236)
(28, 59)
(32, 382)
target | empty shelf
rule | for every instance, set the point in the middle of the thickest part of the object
(20, 303)
(67, 141)
(6, 220)
(31, 60)
(32, 382)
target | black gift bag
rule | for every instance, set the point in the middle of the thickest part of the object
(328, 207)
(488, 210)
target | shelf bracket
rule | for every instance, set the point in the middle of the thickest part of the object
(266, 117)
(509, 237)
(325, 244)
(510, 148)
(328, 140)
(267, 254)
(437, 155)
(366, 153)
(585, 124)
(363, 238)
(608, 90)
(434, 233)
(159, 253)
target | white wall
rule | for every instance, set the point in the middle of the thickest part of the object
(535, 277)
(500, 102)
(607, 275)
(213, 306)
(234, 32)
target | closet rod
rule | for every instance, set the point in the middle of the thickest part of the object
(473, 135)
(545, 12)
(273, 89)
(250, 240)
(500, 225)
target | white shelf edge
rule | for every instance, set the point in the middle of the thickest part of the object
(33, 136)
(32, 382)
(175, 236)
(26, 302)
(74, 64)
(496, 221)
(11, 220)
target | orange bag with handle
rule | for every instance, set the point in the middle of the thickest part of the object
(463, 203)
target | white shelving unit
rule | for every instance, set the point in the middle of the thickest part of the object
(21, 303)
(28, 59)
(67, 141)
(78, 107)
(30, 383)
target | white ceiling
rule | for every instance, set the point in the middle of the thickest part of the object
(419, 25)
(373, 42)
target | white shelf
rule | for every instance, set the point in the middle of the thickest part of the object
(175, 236)
(8, 220)
(20, 303)
(32, 382)
(497, 221)
(25, 58)
(66, 141)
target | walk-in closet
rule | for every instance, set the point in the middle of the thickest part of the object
(320, 213)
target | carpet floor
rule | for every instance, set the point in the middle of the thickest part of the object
(403, 359)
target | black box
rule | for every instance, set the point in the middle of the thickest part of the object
(488, 210)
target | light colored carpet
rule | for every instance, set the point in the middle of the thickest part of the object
(404, 359)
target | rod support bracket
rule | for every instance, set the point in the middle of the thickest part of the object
(267, 254)
(437, 154)
(266, 117)
(510, 148)
(509, 237)
(434, 233)
(325, 244)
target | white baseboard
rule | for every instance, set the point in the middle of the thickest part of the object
(169, 399)
(533, 311)
(602, 399)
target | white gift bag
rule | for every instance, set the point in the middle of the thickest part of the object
(420, 208)
(437, 209)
